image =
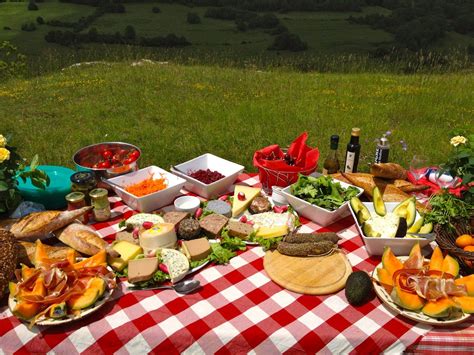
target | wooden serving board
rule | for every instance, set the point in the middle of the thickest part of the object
(308, 275)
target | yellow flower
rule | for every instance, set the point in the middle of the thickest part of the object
(458, 140)
(3, 141)
(4, 154)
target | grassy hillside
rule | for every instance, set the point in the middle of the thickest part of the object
(327, 33)
(178, 112)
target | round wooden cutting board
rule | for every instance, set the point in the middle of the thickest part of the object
(309, 275)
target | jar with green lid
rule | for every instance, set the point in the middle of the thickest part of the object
(85, 182)
(100, 202)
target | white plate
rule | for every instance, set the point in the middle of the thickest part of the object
(70, 317)
(416, 316)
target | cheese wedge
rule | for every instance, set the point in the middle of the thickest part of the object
(239, 206)
(272, 232)
(127, 251)
(176, 262)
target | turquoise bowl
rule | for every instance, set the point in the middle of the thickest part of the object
(53, 196)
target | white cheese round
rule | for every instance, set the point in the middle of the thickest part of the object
(161, 235)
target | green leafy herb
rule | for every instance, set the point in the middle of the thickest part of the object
(252, 237)
(197, 263)
(322, 191)
(231, 243)
(269, 243)
(446, 209)
(122, 224)
(220, 255)
(123, 273)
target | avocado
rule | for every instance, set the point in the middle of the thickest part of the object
(402, 228)
(426, 228)
(360, 210)
(359, 288)
(379, 205)
(407, 210)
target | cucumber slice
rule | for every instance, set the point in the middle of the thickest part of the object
(416, 226)
(360, 210)
(426, 228)
(379, 205)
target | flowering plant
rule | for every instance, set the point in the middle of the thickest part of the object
(12, 167)
(461, 161)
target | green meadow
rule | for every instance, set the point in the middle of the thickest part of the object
(175, 112)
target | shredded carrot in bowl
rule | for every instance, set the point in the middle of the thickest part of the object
(147, 186)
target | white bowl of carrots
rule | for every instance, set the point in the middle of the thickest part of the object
(147, 189)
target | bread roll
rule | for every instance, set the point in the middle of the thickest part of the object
(388, 171)
(41, 224)
(82, 238)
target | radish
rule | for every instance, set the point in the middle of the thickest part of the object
(164, 268)
(243, 219)
(198, 213)
(135, 232)
(241, 196)
(147, 225)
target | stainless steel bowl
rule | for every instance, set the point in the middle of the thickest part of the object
(85, 157)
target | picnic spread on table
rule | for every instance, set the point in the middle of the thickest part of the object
(206, 257)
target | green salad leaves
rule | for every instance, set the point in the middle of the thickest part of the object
(322, 191)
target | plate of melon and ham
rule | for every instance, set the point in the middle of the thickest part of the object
(426, 291)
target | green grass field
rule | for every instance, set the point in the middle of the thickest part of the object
(326, 33)
(176, 112)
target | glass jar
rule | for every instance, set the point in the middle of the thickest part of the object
(85, 182)
(76, 200)
(100, 202)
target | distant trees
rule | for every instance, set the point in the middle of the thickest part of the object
(129, 33)
(28, 27)
(156, 10)
(32, 6)
(193, 18)
(70, 38)
(288, 41)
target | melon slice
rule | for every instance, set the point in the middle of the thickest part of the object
(390, 262)
(441, 308)
(436, 262)
(468, 281)
(466, 303)
(407, 300)
(415, 259)
(450, 265)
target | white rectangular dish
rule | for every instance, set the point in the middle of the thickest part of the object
(206, 161)
(317, 214)
(399, 246)
(154, 200)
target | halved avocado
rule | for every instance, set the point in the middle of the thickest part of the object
(58, 310)
(416, 226)
(426, 228)
(402, 228)
(407, 210)
(379, 205)
(370, 232)
(360, 210)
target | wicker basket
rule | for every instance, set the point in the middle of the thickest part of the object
(446, 237)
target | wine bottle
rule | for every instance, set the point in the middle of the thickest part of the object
(352, 152)
(331, 163)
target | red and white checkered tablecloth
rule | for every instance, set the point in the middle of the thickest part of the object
(238, 310)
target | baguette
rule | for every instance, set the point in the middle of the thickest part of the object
(41, 224)
(82, 238)
(388, 171)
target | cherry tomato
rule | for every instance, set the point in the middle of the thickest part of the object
(134, 154)
(116, 158)
(122, 152)
(104, 165)
(128, 161)
(107, 154)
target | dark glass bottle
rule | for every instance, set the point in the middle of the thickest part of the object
(331, 163)
(352, 152)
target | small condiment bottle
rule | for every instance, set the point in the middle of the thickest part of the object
(85, 182)
(382, 150)
(76, 200)
(100, 202)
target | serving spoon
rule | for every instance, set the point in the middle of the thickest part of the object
(184, 287)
